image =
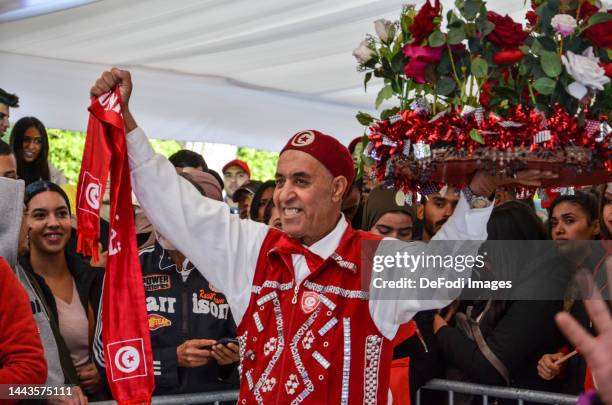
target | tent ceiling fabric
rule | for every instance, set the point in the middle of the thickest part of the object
(242, 72)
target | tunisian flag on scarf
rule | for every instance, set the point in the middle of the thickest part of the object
(125, 334)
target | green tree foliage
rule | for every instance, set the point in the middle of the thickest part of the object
(262, 163)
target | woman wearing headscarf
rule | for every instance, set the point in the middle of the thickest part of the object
(415, 360)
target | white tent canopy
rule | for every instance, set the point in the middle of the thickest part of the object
(240, 72)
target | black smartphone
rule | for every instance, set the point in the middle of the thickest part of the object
(226, 341)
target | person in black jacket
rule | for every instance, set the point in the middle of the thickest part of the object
(68, 288)
(187, 315)
(517, 331)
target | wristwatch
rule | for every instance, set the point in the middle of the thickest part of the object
(475, 201)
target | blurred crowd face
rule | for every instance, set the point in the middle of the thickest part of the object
(436, 211)
(8, 166)
(350, 204)
(502, 195)
(569, 221)
(32, 144)
(396, 225)
(4, 118)
(307, 196)
(48, 223)
(234, 177)
(266, 196)
(275, 220)
(244, 205)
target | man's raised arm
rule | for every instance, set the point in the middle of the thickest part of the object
(223, 247)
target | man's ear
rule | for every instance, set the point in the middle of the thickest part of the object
(340, 185)
(420, 211)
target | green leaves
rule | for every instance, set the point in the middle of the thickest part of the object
(456, 35)
(366, 79)
(544, 85)
(551, 63)
(445, 86)
(384, 94)
(476, 136)
(598, 18)
(471, 8)
(436, 39)
(364, 118)
(480, 68)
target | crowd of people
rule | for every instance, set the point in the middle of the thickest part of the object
(225, 259)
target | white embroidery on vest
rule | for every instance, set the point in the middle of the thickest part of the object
(336, 290)
(320, 359)
(266, 298)
(279, 348)
(291, 384)
(272, 284)
(258, 323)
(308, 339)
(270, 346)
(299, 365)
(329, 303)
(249, 378)
(345, 264)
(330, 324)
(370, 373)
(346, 363)
(269, 384)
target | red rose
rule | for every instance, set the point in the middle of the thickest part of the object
(423, 23)
(601, 34)
(608, 68)
(419, 57)
(532, 18)
(587, 10)
(507, 33)
(508, 56)
(485, 94)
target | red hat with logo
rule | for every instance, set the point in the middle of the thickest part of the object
(327, 150)
(238, 163)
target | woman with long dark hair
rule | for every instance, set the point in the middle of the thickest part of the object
(499, 341)
(30, 144)
(68, 287)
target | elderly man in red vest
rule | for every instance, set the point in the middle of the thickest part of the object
(309, 330)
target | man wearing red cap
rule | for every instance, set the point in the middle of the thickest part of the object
(309, 332)
(235, 173)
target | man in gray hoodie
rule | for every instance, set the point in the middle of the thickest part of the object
(11, 213)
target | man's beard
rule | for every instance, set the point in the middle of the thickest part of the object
(430, 228)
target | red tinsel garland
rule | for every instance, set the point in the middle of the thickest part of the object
(467, 130)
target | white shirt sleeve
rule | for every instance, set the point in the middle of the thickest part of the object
(222, 246)
(465, 226)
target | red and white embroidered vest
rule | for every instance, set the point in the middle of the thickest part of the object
(315, 342)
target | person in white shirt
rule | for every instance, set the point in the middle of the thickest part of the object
(318, 252)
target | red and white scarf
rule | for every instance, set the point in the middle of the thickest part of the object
(125, 334)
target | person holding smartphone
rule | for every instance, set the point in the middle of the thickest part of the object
(190, 321)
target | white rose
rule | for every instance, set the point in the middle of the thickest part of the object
(385, 29)
(564, 24)
(586, 71)
(363, 53)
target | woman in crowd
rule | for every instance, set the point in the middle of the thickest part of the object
(515, 331)
(574, 225)
(68, 287)
(414, 352)
(272, 216)
(383, 216)
(30, 144)
(260, 199)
